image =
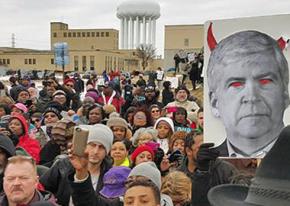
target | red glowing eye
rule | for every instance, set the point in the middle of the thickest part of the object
(236, 84)
(265, 81)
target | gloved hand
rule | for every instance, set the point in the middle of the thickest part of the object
(205, 155)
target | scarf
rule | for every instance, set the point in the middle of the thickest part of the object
(110, 100)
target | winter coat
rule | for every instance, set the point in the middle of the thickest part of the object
(40, 196)
(31, 146)
(220, 172)
(56, 181)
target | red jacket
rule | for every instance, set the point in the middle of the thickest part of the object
(31, 146)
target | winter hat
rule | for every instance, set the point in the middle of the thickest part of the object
(7, 145)
(93, 94)
(54, 110)
(62, 131)
(141, 149)
(100, 133)
(109, 108)
(149, 170)
(182, 87)
(117, 122)
(114, 182)
(148, 130)
(59, 92)
(114, 114)
(165, 119)
(20, 106)
(69, 80)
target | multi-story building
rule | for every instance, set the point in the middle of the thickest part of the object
(88, 49)
(186, 37)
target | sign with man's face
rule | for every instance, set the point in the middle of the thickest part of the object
(246, 85)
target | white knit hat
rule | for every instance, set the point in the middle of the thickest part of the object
(165, 119)
(100, 133)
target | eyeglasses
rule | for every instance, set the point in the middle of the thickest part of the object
(69, 85)
(35, 121)
(155, 111)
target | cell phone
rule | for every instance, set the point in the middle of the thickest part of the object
(80, 138)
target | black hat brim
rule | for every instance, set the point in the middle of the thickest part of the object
(229, 195)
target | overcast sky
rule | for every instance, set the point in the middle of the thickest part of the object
(30, 20)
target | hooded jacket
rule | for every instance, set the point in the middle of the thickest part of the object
(31, 146)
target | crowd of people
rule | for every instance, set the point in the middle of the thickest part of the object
(145, 144)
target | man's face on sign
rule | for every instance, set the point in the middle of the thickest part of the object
(250, 97)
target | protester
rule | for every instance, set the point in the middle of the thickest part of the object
(95, 114)
(155, 112)
(200, 159)
(165, 128)
(120, 152)
(20, 175)
(120, 129)
(178, 186)
(99, 144)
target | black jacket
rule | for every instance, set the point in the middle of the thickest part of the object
(83, 194)
(220, 172)
(56, 179)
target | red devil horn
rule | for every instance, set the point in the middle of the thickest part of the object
(210, 38)
(282, 43)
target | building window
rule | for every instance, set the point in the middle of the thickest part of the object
(54, 34)
(8, 61)
(93, 34)
(4, 61)
(88, 34)
(25, 61)
(64, 34)
(97, 34)
(84, 63)
(29, 61)
(69, 34)
(83, 34)
(51, 61)
(92, 62)
(102, 34)
(186, 42)
(33, 61)
(76, 63)
(74, 34)
(79, 34)
(107, 34)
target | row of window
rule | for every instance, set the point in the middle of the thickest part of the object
(29, 61)
(4, 61)
(84, 34)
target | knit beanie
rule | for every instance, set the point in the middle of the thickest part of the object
(93, 94)
(141, 149)
(20, 106)
(69, 80)
(54, 110)
(117, 122)
(149, 170)
(100, 133)
(167, 120)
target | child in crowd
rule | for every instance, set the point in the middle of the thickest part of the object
(165, 128)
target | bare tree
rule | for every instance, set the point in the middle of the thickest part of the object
(146, 52)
